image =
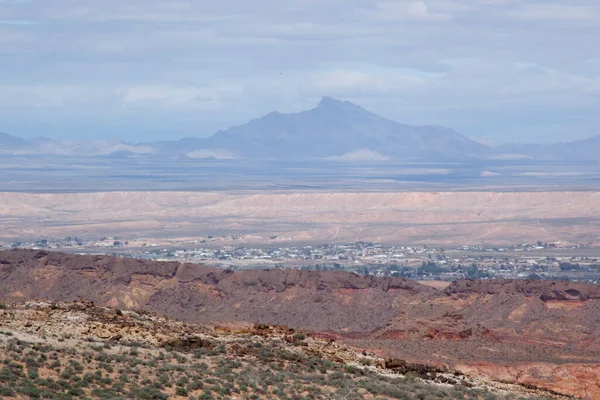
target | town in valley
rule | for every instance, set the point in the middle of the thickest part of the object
(558, 261)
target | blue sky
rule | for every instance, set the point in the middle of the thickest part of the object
(495, 70)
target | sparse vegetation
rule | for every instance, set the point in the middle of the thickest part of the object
(264, 363)
(215, 376)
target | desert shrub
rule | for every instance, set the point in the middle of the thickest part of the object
(33, 373)
(107, 367)
(8, 392)
(163, 379)
(78, 392)
(182, 381)
(28, 388)
(64, 384)
(148, 393)
(280, 393)
(195, 385)
(105, 394)
(8, 375)
(351, 369)
(181, 391)
(200, 353)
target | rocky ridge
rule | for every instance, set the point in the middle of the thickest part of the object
(196, 293)
(546, 291)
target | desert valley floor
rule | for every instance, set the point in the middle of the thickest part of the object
(401, 217)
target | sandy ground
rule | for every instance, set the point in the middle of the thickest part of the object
(401, 217)
(435, 284)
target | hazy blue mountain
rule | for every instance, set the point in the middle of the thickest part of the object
(334, 130)
(181, 146)
(11, 142)
(340, 130)
(46, 146)
(584, 149)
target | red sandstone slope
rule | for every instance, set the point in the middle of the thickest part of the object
(537, 332)
(305, 299)
(542, 333)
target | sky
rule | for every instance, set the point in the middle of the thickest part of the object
(495, 70)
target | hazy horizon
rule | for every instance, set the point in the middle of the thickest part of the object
(501, 71)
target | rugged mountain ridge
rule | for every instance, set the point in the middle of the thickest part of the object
(191, 292)
(120, 270)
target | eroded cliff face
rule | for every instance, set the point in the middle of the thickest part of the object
(517, 330)
(545, 290)
(190, 292)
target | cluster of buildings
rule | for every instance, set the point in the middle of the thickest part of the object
(532, 261)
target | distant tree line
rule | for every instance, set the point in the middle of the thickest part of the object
(567, 266)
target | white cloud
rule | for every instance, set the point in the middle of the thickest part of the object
(376, 81)
(132, 97)
(419, 61)
(556, 12)
(45, 95)
(336, 80)
(359, 155)
(16, 22)
(178, 96)
(415, 10)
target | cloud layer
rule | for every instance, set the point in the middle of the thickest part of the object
(503, 70)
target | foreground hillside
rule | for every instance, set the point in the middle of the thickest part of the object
(540, 333)
(76, 350)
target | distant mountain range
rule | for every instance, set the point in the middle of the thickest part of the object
(334, 130)
(585, 149)
(46, 146)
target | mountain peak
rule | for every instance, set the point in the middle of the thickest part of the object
(9, 140)
(327, 101)
(337, 128)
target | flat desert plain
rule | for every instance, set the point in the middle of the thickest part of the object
(400, 217)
